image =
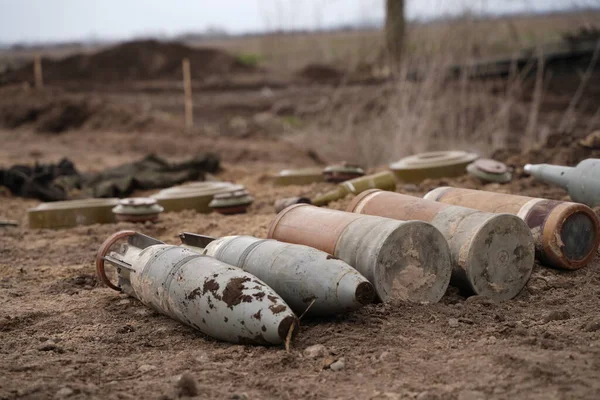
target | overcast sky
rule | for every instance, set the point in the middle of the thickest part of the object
(60, 20)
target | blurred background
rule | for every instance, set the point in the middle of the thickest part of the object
(386, 78)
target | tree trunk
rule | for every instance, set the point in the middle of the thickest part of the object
(394, 29)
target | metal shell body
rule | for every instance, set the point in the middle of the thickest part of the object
(566, 235)
(436, 164)
(493, 254)
(218, 299)
(300, 274)
(382, 180)
(403, 260)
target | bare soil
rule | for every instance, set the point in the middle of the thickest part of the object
(63, 335)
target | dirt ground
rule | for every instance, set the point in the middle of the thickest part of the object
(63, 335)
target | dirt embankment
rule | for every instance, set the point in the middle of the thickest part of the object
(138, 60)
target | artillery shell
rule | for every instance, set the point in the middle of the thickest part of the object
(493, 254)
(218, 299)
(566, 235)
(381, 180)
(303, 276)
(403, 260)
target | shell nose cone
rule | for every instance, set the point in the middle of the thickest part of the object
(528, 168)
(354, 291)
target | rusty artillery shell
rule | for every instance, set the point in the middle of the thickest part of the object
(403, 260)
(303, 276)
(565, 234)
(218, 299)
(381, 180)
(493, 254)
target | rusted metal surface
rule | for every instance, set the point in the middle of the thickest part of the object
(382, 180)
(403, 260)
(306, 278)
(232, 203)
(436, 164)
(218, 299)
(566, 234)
(492, 254)
(582, 182)
(137, 209)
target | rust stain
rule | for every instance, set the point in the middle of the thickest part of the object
(277, 309)
(233, 293)
(211, 286)
(259, 295)
(257, 316)
(194, 294)
(226, 319)
(264, 328)
(272, 298)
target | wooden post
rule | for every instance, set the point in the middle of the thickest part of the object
(37, 72)
(187, 87)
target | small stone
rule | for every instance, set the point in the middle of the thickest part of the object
(64, 393)
(384, 356)
(592, 326)
(471, 395)
(124, 302)
(186, 385)
(556, 316)
(338, 365)
(239, 396)
(427, 396)
(486, 301)
(466, 321)
(315, 351)
(48, 345)
(327, 362)
(411, 187)
(453, 322)
(146, 368)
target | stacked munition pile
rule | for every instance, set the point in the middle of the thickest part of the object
(317, 261)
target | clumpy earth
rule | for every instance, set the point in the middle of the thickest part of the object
(64, 335)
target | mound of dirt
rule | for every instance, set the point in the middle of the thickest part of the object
(54, 111)
(559, 149)
(320, 73)
(137, 60)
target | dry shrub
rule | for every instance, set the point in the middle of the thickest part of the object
(372, 126)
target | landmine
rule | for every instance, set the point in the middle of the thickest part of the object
(216, 298)
(403, 260)
(309, 280)
(493, 254)
(566, 235)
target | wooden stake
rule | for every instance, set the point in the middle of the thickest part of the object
(187, 87)
(37, 72)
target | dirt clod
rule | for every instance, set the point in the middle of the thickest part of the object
(556, 315)
(186, 385)
(315, 351)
